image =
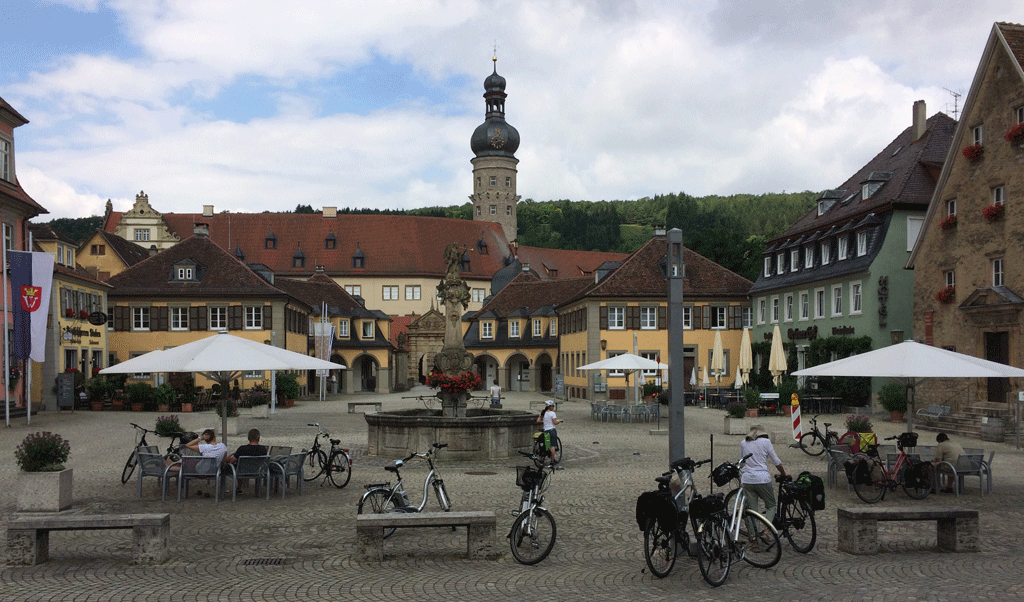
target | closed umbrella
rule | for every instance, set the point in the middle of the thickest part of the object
(777, 359)
(693, 377)
(738, 383)
(718, 357)
(707, 383)
(746, 363)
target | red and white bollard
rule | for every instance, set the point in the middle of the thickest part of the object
(798, 430)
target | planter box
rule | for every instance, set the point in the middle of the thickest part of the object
(735, 426)
(751, 412)
(97, 406)
(186, 407)
(262, 411)
(44, 491)
(232, 426)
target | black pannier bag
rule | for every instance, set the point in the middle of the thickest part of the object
(914, 476)
(813, 490)
(703, 507)
(858, 472)
(659, 506)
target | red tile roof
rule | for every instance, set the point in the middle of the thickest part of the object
(527, 293)
(552, 264)
(1014, 36)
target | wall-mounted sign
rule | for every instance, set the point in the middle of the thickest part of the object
(810, 333)
(97, 318)
(842, 331)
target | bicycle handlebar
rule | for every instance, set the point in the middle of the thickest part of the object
(440, 445)
(890, 438)
(783, 478)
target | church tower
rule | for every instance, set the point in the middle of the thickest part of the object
(494, 143)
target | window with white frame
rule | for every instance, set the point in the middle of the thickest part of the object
(951, 207)
(862, 243)
(762, 306)
(805, 309)
(809, 256)
(478, 295)
(775, 310)
(141, 234)
(179, 318)
(1019, 111)
(494, 180)
(789, 308)
(748, 317)
(843, 242)
(513, 329)
(494, 209)
(719, 321)
(538, 330)
(218, 318)
(648, 318)
(997, 271)
(614, 371)
(254, 317)
(140, 318)
(134, 354)
(998, 195)
(837, 300)
(855, 298)
(554, 327)
(914, 225)
(949, 277)
(687, 317)
(486, 330)
(826, 251)
(653, 356)
(977, 134)
(354, 289)
(616, 318)
(780, 263)
(819, 303)
(390, 293)
(257, 374)
(367, 329)
(767, 267)
(60, 254)
(412, 292)
(184, 273)
(794, 260)
(342, 329)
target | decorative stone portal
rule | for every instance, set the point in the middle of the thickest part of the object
(483, 434)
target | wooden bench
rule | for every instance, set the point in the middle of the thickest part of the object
(957, 528)
(28, 536)
(480, 526)
(352, 405)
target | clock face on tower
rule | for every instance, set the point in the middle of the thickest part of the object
(496, 140)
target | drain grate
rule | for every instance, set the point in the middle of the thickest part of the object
(480, 473)
(263, 562)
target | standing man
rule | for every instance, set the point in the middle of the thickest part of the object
(495, 393)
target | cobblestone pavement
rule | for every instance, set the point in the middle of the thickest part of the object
(598, 554)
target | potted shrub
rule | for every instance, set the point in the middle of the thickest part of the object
(44, 483)
(99, 390)
(139, 394)
(752, 400)
(650, 390)
(259, 401)
(188, 393)
(164, 397)
(734, 422)
(893, 397)
(287, 390)
(167, 426)
(859, 433)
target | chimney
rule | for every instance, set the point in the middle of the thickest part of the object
(330, 212)
(201, 229)
(320, 269)
(207, 210)
(920, 119)
(153, 250)
(526, 267)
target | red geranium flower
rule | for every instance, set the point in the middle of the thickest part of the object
(973, 152)
(946, 295)
(949, 223)
(993, 212)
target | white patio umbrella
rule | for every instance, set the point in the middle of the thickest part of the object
(746, 362)
(706, 383)
(718, 357)
(912, 360)
(738, 383)
(626, 362)
(220, 357)
(693, 377)
(777, 359)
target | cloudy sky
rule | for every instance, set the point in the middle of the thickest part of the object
(252, 105)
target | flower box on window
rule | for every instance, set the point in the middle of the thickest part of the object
(1015, 135)
(973, 152)
(993, 212)
(82, 314)
(949, 223)
(946, 295)
(70, 313)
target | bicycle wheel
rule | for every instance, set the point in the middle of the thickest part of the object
(873, 491)
(761, 545)
(532, 536)
(801, 530)
(313, 465)
(920, 485)
(378, 501)
(441, 493)
(713, 552)
(558, 449)
(340, 469)
(811, 444)
(129, 467)
(659, 548)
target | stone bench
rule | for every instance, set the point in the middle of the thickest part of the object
(957, 528)
(352, 405)
(480, 526)
(28, 536)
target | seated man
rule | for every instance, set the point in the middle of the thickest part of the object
(207, 447)
(253, 448)
(946, 451)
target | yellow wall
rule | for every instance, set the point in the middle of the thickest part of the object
(109, 262)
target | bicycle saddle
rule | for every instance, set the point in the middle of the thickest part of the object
(335, 441)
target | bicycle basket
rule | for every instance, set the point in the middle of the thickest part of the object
(703, 507)
(527, 477)
(906, 440)
(725, 473)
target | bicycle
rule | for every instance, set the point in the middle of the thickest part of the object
(533, 531)
(173, 451)
(871, 480)
(727, 535)
(794, 517)
(381, 498)
(542, 446)
(662, 516)
(335, 462)
(815, 442)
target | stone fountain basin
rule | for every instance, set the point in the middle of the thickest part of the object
(484, 434)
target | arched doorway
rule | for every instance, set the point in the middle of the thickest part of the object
(545, 371)
(518, 369)
(364, 374)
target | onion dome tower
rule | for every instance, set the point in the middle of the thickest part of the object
(494, 143)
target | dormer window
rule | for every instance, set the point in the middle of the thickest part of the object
(299, 259)
(794, 260)
(270, 242)
(843, 243)
(184, 272)
(767, 267)
(780, 263)
(358, 259)
(808, 256)
(824, 205)
(464, 263)
(331, 242)
(862, 243)
(826, 251)
(481, 247)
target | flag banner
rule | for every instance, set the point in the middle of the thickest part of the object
(323, 337)
(31, 277)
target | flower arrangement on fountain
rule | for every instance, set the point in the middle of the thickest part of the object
(467, 381)
(993, 212)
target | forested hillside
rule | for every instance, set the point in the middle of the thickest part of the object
(729, 230)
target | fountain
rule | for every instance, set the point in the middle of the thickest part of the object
(471, 434)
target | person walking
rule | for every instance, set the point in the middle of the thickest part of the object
(495, 393)
(550, 420)
(754, 476)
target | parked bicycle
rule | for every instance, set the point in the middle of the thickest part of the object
(173, 449)
(794, 516)
(871, 479)
(533, 531)
(728, 534)
(381, 498)
(336, 462)
(542, 445)
(816, 442)
(662, 515)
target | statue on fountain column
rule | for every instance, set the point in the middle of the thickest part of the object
(453, 359)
